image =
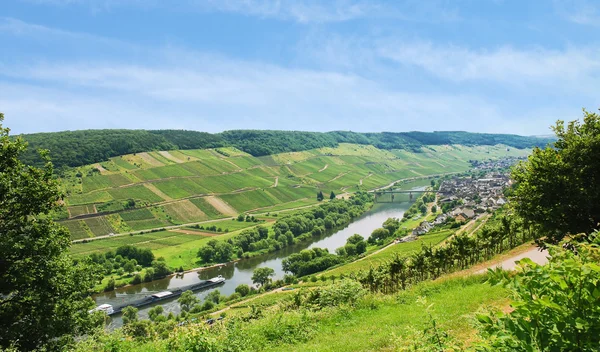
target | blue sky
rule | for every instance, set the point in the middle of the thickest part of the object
(481, 66)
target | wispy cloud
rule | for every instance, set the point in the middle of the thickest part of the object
(301, 11)
(504, 64)
(177, 88)
(584, 12)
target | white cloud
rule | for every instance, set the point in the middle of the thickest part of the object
(574, 70)
(230, 94)
(502, 64)
(582, 12)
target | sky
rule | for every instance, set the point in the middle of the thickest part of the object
(497, 66)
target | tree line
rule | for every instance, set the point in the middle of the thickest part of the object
(501, 233)
(76, 148)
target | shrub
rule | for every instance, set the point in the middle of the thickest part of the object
(556, 306)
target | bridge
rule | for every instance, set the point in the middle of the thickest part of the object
(381, 194)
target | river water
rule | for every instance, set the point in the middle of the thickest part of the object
(241, 272)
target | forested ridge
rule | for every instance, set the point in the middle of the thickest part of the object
(75, 148)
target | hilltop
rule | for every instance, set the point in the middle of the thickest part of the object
(77, 148)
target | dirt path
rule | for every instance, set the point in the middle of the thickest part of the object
(361, 180)
(192, 232)
(170, 157)
(239, 169)
(276, 181)
(537, 256)
(338, 176)
(221, 206)
(157, 191)
(324, 168)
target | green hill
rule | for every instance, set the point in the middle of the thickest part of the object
(77, 148)
(155, 189)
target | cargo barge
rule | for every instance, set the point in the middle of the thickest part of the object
(158, 297)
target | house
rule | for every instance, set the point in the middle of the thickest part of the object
(468, 213)
(440, 219)
(422, 229)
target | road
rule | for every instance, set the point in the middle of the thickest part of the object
(537, 256)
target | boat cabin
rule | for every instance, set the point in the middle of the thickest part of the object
(162, 294)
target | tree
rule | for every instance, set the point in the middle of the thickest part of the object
(130, 315)
(214, 296)
(149, 275)
(354, 239)
(262, 276)
(129, 267)
(43, 292)
(161, 269)
(187, 300)
(391, 224)
(558, 188)
(332, 195)
(379, 234)
(155, 313)
(243, 290)
(320, 196)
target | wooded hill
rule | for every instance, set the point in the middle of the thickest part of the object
(76, 148)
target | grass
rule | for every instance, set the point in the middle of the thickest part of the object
(207, 208)
(81, 210)
(99, 226)
(246, 201)
(77, 228)
(184, 212)
(138, 192)
(92, 183)
(150, 240)
(230, 225)
(138, 214)
(401, 249)
(396, 320)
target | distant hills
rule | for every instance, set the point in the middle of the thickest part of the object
(76, 148)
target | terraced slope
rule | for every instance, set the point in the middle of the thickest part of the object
(155, 189)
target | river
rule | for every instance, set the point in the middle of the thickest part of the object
(241, 272)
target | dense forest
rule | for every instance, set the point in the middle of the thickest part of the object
(75, 148)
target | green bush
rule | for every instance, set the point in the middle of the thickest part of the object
(556, 306)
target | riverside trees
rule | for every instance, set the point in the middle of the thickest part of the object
(288, 230)
(42, 291)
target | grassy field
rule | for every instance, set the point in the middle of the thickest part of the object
(401, 249)
(396, 321)
(376, 323)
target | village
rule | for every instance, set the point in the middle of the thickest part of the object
(466, 198)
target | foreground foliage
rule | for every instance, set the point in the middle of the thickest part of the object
(556, 306)
(42, 293)
(558, 187)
